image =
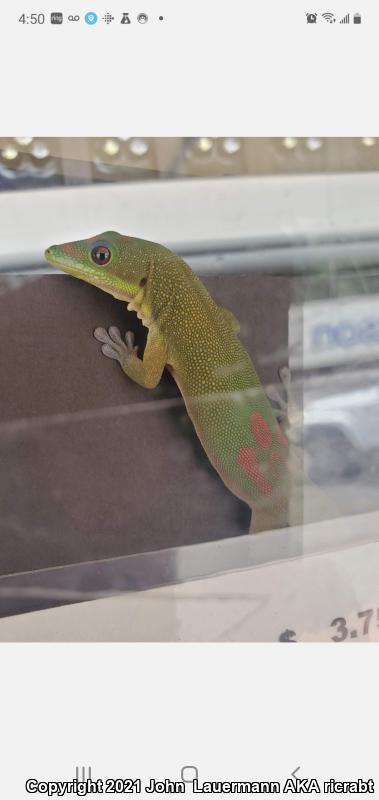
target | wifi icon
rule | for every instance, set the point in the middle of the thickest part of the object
(329, 17)
(345, 20)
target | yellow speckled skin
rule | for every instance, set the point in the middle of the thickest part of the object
(197, 341)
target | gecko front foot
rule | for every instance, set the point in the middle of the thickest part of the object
(285, 377)
(113, 345)
(280, 396)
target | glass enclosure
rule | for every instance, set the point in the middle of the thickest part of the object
(105, 487)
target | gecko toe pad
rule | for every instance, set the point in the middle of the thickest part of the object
(129, 338)
(113, 345)
(101, 335)
(285, 379)
(109, 351)
(115, 335)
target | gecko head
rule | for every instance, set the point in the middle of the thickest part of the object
(117, 264)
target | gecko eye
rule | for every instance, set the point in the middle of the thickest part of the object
(101, 255)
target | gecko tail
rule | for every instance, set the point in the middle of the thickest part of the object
(269, 517)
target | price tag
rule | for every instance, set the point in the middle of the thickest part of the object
(330, 596)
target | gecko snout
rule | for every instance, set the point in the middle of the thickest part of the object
(49, 253)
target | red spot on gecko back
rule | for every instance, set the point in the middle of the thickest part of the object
(247, 460)
(261, 431)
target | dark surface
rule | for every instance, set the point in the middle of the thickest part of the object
(93, 466)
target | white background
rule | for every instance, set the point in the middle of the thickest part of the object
(215, 67)
(235, 711)
(239, 712)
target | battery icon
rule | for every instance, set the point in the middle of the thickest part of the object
(357, 19)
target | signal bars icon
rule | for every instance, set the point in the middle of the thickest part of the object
(330, 18)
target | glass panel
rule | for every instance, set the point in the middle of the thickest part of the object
(105, 485)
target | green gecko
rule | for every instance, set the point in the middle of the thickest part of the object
(197, 341)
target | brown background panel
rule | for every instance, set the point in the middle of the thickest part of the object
(90, 466)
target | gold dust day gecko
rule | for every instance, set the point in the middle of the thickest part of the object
(197, 341)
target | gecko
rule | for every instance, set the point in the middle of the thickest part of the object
(197, 341)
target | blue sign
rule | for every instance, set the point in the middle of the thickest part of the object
(345, 333)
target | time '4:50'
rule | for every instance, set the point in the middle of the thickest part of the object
(34, 19)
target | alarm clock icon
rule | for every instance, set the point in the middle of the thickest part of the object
(311, 18)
